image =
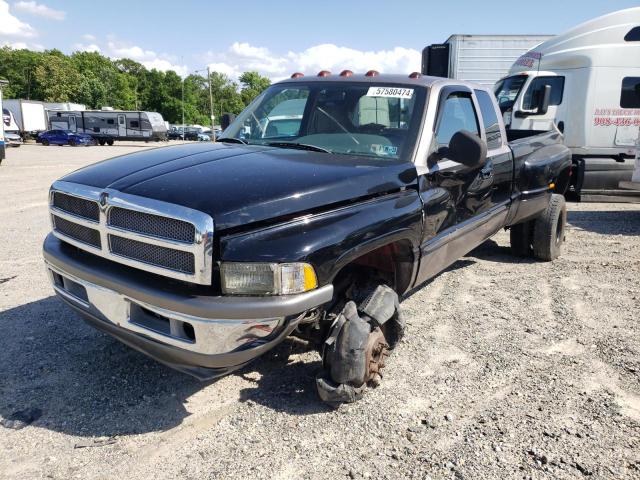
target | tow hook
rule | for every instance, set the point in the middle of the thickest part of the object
(355, 351)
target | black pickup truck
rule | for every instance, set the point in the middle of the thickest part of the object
(323, 203)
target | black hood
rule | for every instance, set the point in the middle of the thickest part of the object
(241, 184)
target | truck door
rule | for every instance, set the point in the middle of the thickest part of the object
(73, 127)
(498, 172)
(458, 200)
(526, 116)
(470, 189)
(122, 125)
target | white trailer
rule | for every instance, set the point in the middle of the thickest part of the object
(591, 75)
(64, 106)
(106, 126)
(30, 116)
(481, 59)
(2, 146)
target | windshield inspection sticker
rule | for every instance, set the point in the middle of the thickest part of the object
(384, 149)
(390, 92)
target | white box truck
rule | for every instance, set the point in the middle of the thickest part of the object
(30, 116)
(586, 82)
(477, 58)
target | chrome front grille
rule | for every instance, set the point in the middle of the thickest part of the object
(154, 225)
(153, 254)
(83, 234)
(76, 206)
(151, 235)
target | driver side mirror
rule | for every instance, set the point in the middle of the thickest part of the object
(468, 149)
(544, 98)
(543, 104)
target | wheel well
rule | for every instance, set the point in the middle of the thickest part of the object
(562, 182)
(391, 264)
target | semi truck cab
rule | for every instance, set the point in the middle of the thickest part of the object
(585, 83)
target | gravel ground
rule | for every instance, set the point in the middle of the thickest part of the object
(511, 368)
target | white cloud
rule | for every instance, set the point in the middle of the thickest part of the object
(40, 10)
(133, 52)
(88, 37)
(164, 65)
(20, 45)
(11, 26)
(148, 58)
(242, 57)
(90, 47)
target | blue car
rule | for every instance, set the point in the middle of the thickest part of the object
(65, 137)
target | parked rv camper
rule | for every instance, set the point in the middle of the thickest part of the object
(109, 125)
(591, 76)
(29, 115)
(477, 58)
(9, 121)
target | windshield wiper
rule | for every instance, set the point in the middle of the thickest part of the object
(299, 146)
(232, 140)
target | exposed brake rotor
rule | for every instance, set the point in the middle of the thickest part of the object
(376, 353)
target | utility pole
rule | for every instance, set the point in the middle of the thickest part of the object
(183, 125)
(213, 133)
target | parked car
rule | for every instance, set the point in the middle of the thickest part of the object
(12, 139)
(65, 137)
(204, 137)
(210, 260)
(174, 133)
(191, 134)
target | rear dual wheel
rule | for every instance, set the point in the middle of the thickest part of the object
(542, 237)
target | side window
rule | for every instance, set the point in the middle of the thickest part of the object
(489, 120)
(630, 94)
(134, 124)
(110, 121)
(457, 114)
(633, 35)
(285, 111)
(532, 96)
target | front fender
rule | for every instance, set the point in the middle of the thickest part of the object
(331, 239)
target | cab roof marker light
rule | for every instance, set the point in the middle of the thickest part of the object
(346, 73)
(415, 75)
(324, 73)
(372, 73)
(297, 75)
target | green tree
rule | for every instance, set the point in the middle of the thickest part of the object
(252, 85)
(97, 81)
(57, 78)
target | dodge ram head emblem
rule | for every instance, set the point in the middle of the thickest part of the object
(103, 198)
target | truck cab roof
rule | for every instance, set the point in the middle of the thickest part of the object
(397, 79)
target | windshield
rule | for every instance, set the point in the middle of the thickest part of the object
(507, 90)
(379, 121)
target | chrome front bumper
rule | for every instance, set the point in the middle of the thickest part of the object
(205, 336)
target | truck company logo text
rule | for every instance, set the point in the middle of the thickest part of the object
(621, 117)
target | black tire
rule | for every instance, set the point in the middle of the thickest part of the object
(110, 142)
(549, 230)
(101, 142)
(45, 143)
(522, 239)
(72, 143)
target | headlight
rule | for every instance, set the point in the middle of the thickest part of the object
(267, 278)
